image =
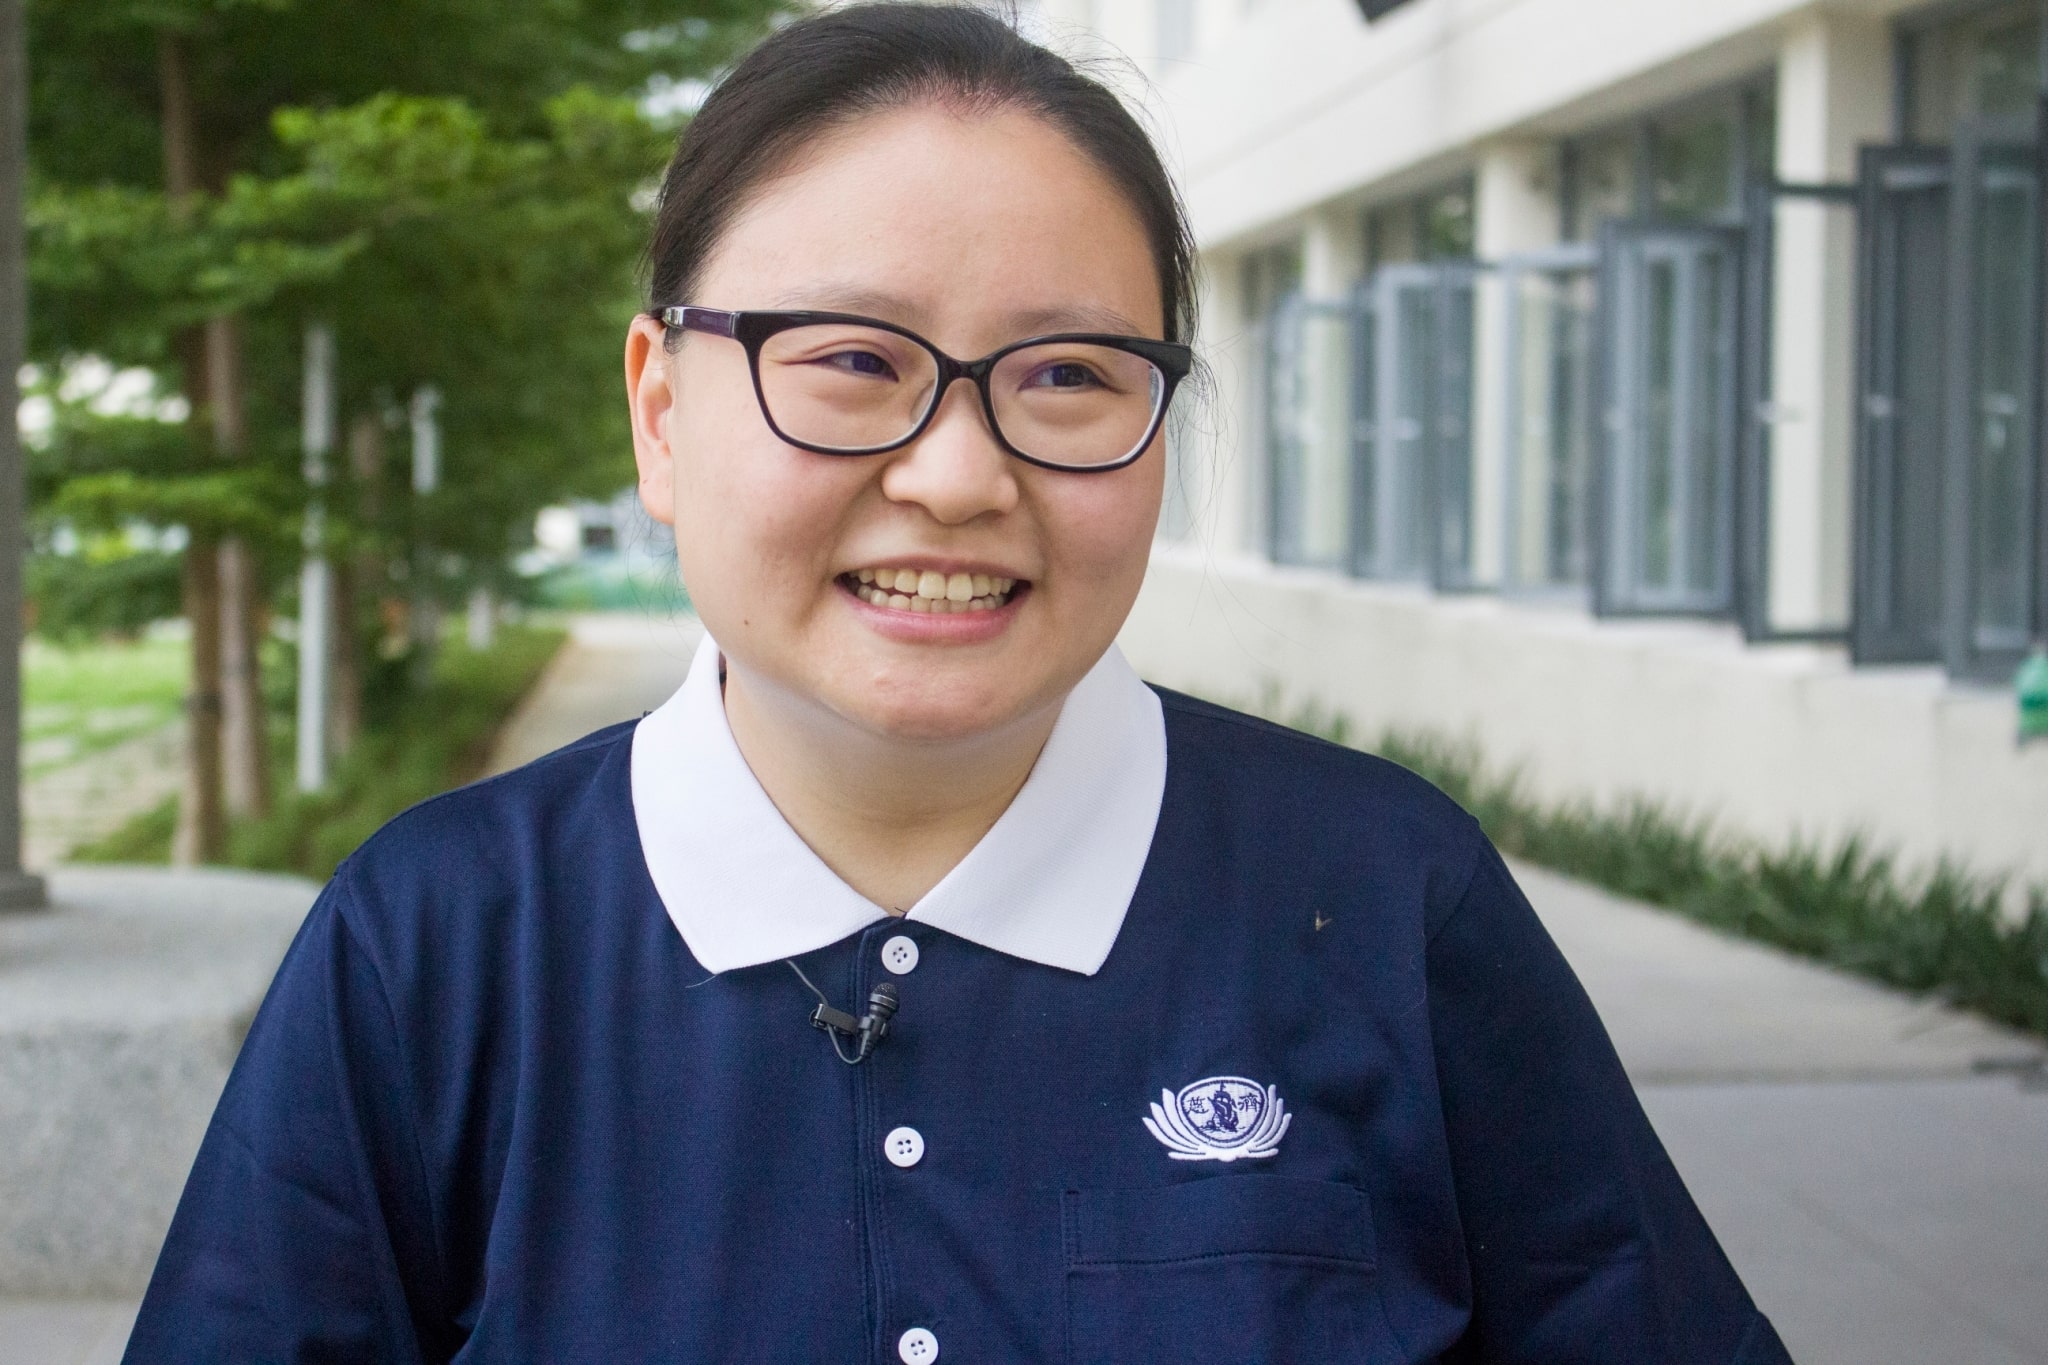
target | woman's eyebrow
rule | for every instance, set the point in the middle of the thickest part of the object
(897, 309)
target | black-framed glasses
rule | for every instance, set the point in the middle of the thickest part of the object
(840, 384)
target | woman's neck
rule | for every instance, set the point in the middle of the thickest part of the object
(890, 818)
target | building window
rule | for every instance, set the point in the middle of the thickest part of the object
(1687, 164)
(1982, 65)
(1550, 310)
(1436, 226)
(1952, 550)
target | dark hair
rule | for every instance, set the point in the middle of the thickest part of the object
(828, 68)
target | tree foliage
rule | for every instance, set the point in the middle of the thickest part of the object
(455, 186)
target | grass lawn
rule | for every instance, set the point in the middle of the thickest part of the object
(81, 699)
(418, 742)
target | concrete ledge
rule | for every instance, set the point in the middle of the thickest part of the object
(1771, 741)
(121, 1009)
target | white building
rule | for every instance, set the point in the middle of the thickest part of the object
(1648, 389)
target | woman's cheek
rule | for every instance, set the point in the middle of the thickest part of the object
(1107, 532)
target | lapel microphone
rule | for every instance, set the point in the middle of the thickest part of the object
(866, 1032)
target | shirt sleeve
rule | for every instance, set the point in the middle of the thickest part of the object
(303, 1232)
(1582, 1241)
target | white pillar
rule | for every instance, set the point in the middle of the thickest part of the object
(1515, 209)
(316, 591)
(1224, 466)
(426, 439)
(1834, 94)
(1332, 261)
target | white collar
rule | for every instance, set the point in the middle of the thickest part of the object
(1049, 882)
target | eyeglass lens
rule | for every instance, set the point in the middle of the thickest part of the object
(852, 388)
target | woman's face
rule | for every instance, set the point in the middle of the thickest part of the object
(974, 230)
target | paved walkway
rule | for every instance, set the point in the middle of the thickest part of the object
(614, 668)
(86, 800)
(1875, 1165)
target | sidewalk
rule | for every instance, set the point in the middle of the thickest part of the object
(1885, 1198)
(615, 667)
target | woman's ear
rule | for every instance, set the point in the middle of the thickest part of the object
(650, 396)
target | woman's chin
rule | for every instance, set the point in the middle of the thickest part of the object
(940, 706)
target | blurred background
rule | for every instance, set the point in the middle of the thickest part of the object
(1629, 414)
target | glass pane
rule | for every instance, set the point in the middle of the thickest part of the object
(1602, 183)
(1692, 166)
(1309, 435)
(1326, 437)
(1444, 225)
(1983, 65)
(1672, 460)
(1365, 393)
(1282, 412)
(1451, 448)
(1659, 451)
(2007, 236)
(1404, 440)
(1706, 427)
(1552, 441)
(1917, 495)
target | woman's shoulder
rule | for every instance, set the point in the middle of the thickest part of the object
(1296, 799)
(1258, 755)
(454, 858)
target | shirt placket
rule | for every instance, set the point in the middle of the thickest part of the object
(892, 1148)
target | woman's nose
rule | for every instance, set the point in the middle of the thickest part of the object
(956, 470)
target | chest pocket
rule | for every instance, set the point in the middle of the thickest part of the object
(1226, 1269)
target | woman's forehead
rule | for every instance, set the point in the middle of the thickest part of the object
(901, 213)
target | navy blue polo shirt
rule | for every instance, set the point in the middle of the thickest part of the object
(1332, 1095)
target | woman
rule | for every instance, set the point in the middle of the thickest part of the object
(917, 980)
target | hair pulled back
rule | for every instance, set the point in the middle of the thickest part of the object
(827, 69)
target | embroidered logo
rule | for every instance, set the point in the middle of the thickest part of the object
(1220, 1119)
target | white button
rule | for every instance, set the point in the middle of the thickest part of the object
(899, 955)
(904, 1147)
(917, 1347)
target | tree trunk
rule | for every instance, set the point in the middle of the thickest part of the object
(200, 833)
(245, 741)
(16, 891)
(245, 728)
(357, 578)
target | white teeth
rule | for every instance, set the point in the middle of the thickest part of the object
(929, 592)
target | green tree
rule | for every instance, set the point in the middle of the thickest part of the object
(449, 183)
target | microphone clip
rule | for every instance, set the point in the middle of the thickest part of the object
(865, 1032)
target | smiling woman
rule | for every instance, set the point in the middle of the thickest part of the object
(1184, 1037)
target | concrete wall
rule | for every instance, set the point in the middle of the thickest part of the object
(1777, 743)
(1288, 104)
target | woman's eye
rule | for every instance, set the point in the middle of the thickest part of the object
(860, 362)
(1067, 374)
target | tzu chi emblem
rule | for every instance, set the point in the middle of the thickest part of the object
(1220, 1119)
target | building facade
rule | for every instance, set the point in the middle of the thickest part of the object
(1650, 391)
